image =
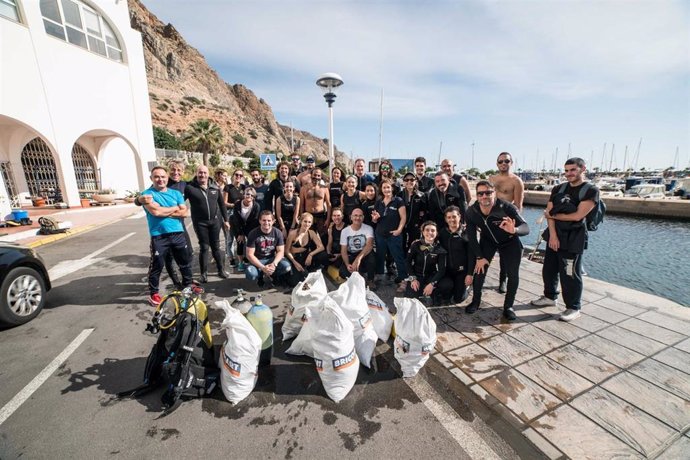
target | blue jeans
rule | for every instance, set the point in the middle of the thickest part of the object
(394, 244)
(253, 273)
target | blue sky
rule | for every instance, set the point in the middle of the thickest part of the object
(526, 77)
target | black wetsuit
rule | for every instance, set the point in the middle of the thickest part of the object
(427, 263)
(208, 213)
(287, 211)
(495, 239)
(415, 206)
(318, 261)
(275, 190)
(437, 203)
(425, 183)
(460, 261)
(349, 204)
(335, 189)
(368, 206)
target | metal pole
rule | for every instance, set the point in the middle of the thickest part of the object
(472, 154)
(331, 144)
(381, 131)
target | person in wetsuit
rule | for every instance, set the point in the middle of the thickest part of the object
(333, 244)
(208, 211)
(424, 182)
(351, 198)
(415, 207)
(335, 187)
(287, 209)
(277, 185)
(460, 261)
(304, 248)
(444, 194)
(426, 264)
(501, 226)
(390, 216)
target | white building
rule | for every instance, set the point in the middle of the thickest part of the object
(74, 109)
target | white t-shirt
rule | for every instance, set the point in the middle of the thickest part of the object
(355, 240)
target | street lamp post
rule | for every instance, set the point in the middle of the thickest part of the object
(328, 82)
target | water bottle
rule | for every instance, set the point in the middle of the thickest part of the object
(260, 317)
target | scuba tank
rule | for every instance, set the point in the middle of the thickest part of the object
(260, 317)
(241, 303)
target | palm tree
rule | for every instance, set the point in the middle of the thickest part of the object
(203, 136)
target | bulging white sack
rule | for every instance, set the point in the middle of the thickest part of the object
(311, 291)
(303, 343)
(415, 335)
(239, 358)
(334, 350)
(381, 317)
(351, 297)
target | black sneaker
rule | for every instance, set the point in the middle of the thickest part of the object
(503, 287)
(472, 308)
(223, 274)
(509, 314)
(203, 278)
(233, 262)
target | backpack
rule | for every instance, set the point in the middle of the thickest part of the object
(49, 226)
(596, 215)
(182, 358)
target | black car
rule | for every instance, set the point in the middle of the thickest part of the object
(24, 282)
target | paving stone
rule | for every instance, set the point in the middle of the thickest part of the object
(560, 381)
(675, 358)
(631, 340)
(625, 421)
(530, 314)
(667, 407)
(584, 364)
(622, 307)
(677, 450)
(548, 449)
(476, 362)
(660, 334)
(668, 321)
(591, 295)
(521, 395)
(494, 317)
(508, 349)
(561, 329)
(448, 338)
(684, 345)
(537, 339)
(598, 310)
(609, 351)
(445, 362)
(473, 327)
(580, 438)
(590, 323)
(670, 379)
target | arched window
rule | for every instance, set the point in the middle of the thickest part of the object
(81, 25)
(84, 169)
(40, 172)
(9, 9)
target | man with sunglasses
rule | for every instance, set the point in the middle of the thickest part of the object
(509, 187)
(296, 167)
(501, 226)
(304, 177)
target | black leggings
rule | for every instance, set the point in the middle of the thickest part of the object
(172, 244)
(169, 259)
(208, 233)
(511, 253)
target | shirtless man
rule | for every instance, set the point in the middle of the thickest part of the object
(315, 199)
(456, 179)
(510, 188)
(304, 178)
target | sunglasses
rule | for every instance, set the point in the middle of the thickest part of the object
(505, 162)
(295, 159)
(408, 180)
(485, 193)
(385, 168)
(239, 175)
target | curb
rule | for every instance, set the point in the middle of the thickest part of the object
(60, 236)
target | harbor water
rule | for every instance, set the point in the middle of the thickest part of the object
(647, 254)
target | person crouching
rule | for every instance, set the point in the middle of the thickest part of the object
(265, 251)
(305, 249)
(426, 262)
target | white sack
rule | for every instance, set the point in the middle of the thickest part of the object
(334, 350)
(239, 358)
(380, 316)
(303, 344)
(310, 291)
(415, 335)
(351, 297)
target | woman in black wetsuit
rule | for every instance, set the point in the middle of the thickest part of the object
(426, 264)
(351, 198)
(415, 205)
(333, 245)
(287, 209)
(304, 247)
(371, 194)
(335, 188)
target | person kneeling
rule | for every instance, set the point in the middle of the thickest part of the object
(305, 249)
(426, 261)
(265, 251)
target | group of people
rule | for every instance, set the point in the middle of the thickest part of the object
(421, 231)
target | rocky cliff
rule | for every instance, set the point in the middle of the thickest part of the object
(183, 88)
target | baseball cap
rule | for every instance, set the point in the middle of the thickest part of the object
(409, 174)
(310, 159)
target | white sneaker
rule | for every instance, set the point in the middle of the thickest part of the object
(543, 301)
(569, 314)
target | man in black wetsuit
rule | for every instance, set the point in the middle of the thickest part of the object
(456, 180)
(207, 206)
(567, 236)
(501, 226)
(424, 182)
(442, 196)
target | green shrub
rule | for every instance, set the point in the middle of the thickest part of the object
(253, 134)
(240, 139)
(164, 139)
(162, 107)
(249, 153)
(192, 99)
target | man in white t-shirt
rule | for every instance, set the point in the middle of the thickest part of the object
(356, 245)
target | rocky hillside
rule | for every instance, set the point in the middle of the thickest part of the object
(183, 88)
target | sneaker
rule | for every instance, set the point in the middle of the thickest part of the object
(155, 299)
(240, 266)
(401, 287)
(569, 314)
(509, 314)
(233, 262)
(472, 308)
(223, 274)
(203, 278)
(503, 287)
(543, 301)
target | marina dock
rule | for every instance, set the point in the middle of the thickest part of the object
(668, 208)
(611, 384)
